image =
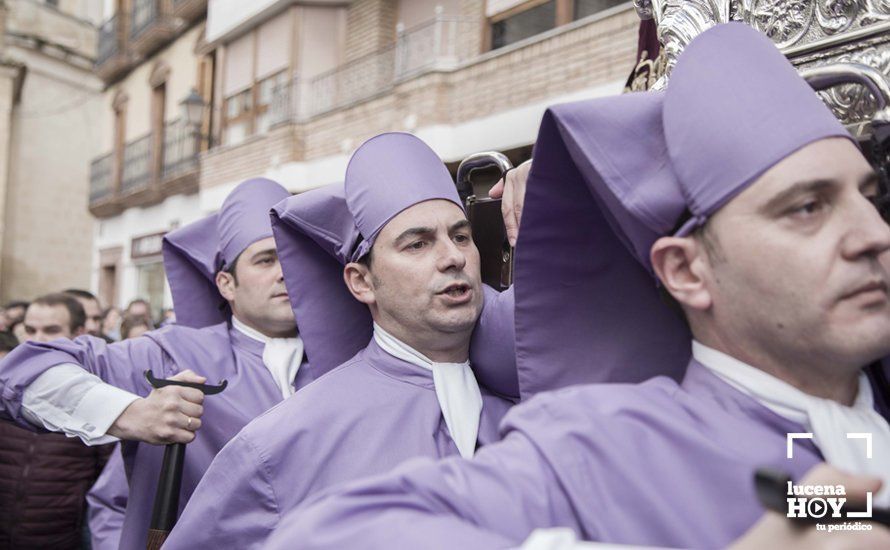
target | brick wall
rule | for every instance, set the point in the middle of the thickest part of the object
(571, 59)
(370, 26)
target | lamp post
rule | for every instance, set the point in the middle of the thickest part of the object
(193, 114)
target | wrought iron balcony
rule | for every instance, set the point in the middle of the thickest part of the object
(142, 182)
(181, 150)
(101, 181)
(432, 46)
(151, 25)
(111, 55)
(189, 10)
(137, 165)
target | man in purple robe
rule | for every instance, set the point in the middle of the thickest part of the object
(236, 323)
(741, 194)
(388, 266)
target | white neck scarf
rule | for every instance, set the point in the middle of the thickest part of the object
(282, 356)
(456, 390)
(829, 421)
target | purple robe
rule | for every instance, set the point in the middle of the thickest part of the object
(363, 418)
(217, 352)
(107, 504)
(655, 464)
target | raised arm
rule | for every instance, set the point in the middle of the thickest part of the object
(84, 387)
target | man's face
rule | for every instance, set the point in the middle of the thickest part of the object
(47, 323)
(425, 276)
(259, 298)
(801, 266)
(93, 324)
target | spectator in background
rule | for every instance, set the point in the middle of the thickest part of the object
(7, 343)
(14, 312)
(18, 330)
(111, 323)
(134, 325)
(91, 308)
(140, 307)
(168, 317)
(44, 477)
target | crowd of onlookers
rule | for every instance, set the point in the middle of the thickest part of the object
(44, 477)
(111, 323)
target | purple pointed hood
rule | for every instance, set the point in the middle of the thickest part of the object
(389, 173)
(193, 254)
(612, 175)
(244, 216)
(191, 260)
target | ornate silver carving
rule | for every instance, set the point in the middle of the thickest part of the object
(818, 32)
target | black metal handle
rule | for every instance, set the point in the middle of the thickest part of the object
(206, 388)
(166, 504)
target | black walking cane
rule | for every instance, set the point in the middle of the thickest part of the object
(166, 506)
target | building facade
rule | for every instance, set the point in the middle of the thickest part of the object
(144, 176)
(49, 102)
(292, 88)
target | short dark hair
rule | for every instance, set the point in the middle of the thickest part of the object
(17, 303)
(77, 318)
(366, 259)
(230, 269)
(8, 342)
(129, 322)
(81, 293)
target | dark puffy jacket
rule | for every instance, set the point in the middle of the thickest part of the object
(44, 478)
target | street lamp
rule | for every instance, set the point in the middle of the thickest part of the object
(193, 109)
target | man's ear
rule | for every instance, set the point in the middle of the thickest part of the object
(681, 265)
(225, 283)
(359, 282)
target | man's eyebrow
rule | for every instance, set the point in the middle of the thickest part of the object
(263, 253)
(799, 188)
(462, 224)
(413, 232)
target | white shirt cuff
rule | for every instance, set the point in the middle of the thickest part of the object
(97, 411)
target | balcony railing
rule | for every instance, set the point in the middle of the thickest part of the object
(180, 149)
(145, 12)
(137, 164)
(438, 44)
(101, 181)
(110, 39)
(179, 169)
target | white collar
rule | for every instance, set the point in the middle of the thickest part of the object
(253, 333)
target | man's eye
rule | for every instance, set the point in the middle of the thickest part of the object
(460, 238)
(809, 208)
(417, 245)
(30, 331)
(266, 261)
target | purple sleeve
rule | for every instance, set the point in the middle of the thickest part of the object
(121, 364)
(234, 504)
(493, 347)
(107, 503)
(494, 500)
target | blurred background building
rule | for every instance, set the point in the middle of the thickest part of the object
(199, 95)
(50, 113)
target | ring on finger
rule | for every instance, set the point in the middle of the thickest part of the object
(188, 424)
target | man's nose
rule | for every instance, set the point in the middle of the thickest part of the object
(450, 256)
(869, 233)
